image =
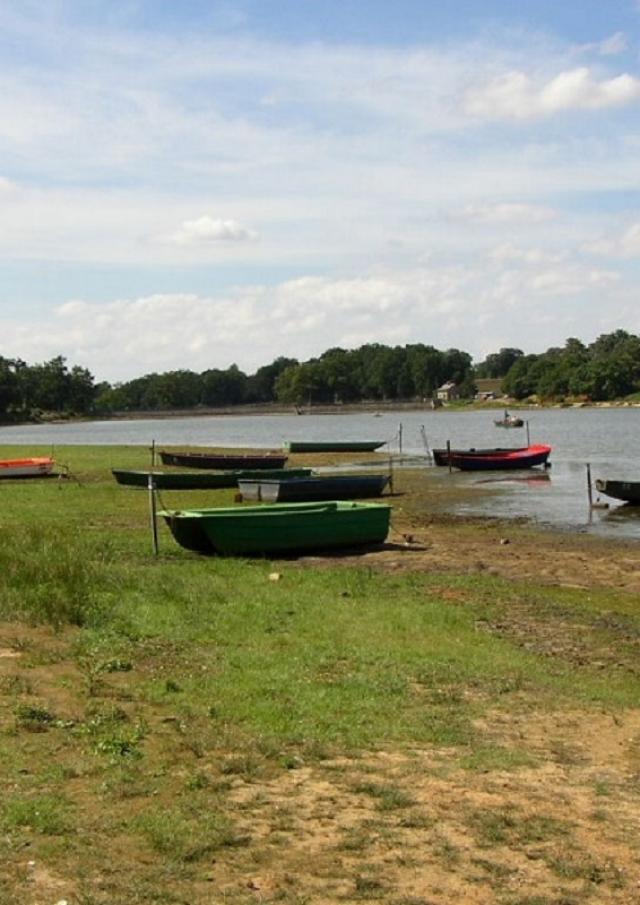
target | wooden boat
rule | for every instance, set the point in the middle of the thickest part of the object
(279, 527)
(440, 456)
(202, 480)
(627, 491)
(33, 467)
(298, 446)
(475, 460)
(509, 421)
(223, 460)
(316, 487)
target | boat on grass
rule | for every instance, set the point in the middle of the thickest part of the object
(279, 527)
(203, 479)
(496, 459)
(314, 487)
(627, 491)
(298, 446)
(31, 467)
(223, 460)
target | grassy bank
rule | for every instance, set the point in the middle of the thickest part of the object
(191, 729)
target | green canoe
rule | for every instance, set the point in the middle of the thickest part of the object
(279, 527)
(297, 446)
(202, 480)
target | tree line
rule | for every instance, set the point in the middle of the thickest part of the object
(607, 369)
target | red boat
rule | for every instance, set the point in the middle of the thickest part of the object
(32, 467)
(497, 459)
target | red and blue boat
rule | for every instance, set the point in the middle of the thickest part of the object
(493, 459)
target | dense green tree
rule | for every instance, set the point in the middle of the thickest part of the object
(223, 387)
(499, 363)
(9, 392)
(261, 386)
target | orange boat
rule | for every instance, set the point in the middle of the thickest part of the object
(33, 467)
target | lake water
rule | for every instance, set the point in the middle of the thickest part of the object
(605, 438)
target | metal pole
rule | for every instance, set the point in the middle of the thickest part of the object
(589, 487)
(528, 437)
(449, 455)
(151, 484)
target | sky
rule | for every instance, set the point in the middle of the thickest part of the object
(196, 184)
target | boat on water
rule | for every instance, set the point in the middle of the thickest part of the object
(223, 461)
(497, 459)
(627, 491)
(441, 456)
(509, 421)
(279, 527)
(297, 446)
(315, 487)
(31, 467)
(202, 479)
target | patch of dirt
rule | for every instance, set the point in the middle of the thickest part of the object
(423, 825)
(424, 539)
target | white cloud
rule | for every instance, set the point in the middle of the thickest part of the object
(613, 45)
(506, 213)
(144, 153)
(515, 95)
(624, 245)
(533, 256)
(521, 296)
(205, 230)
(7, 187)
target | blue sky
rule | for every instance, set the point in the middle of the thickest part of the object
(194, 184)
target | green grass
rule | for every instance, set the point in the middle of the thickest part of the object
(148, 691)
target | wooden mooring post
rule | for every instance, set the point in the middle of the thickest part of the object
(597, 504)
(151, 484)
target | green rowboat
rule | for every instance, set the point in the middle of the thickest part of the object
(203, 480)
(298, 446)
(279, 527)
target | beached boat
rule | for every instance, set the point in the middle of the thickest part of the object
(316, 487)
(441, 456)
(279, 527)
(498, 460)
(298, 446)
(203, 479)
(33, 467)
(223, 461)
(627, 491)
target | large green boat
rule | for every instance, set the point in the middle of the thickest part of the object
(298, 446)
(279, 527)
(202, 480)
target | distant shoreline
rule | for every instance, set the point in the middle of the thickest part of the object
(374, 408)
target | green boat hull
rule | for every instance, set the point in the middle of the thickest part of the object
(202, 480)
(298, 446)
(280, 527)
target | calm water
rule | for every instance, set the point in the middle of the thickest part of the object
(606, 438)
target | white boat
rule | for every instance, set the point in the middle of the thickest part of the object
(33, 467)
